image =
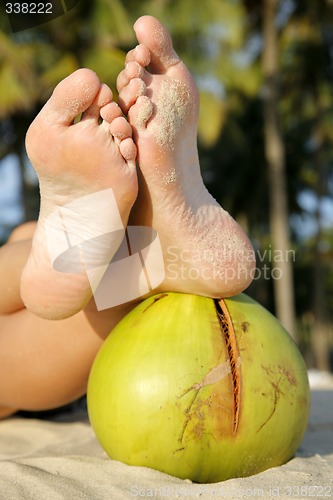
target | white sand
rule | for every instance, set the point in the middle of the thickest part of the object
(173, 105)
(57, 460)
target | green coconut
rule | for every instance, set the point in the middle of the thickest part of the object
(199, 388)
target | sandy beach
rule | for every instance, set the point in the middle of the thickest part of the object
(58, 457)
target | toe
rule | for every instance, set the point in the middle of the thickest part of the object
(120, 128)
(151, 33)
(110, 111)
(72, 96)
(141, 112)
(130, 93)
(140, 54)
(103, 98)
(132, 70)
(128, 149)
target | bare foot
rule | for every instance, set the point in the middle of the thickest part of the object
(88, 184)
(205, 251)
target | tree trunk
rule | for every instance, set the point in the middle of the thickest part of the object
(319, 334)
(275, 156)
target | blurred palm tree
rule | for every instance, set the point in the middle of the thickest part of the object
(97, 35)
(276, 164)
(222, 42)
(308, 113)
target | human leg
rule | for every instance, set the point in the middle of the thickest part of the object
(13, 257)
(44, 363)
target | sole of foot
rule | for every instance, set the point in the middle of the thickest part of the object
(88, 184)
(205, 251)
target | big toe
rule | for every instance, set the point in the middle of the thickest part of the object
(152, 33)
(72, 96)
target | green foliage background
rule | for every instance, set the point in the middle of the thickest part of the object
(221, 42)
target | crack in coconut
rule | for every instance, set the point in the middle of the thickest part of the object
(228, 333)
(216, 374)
